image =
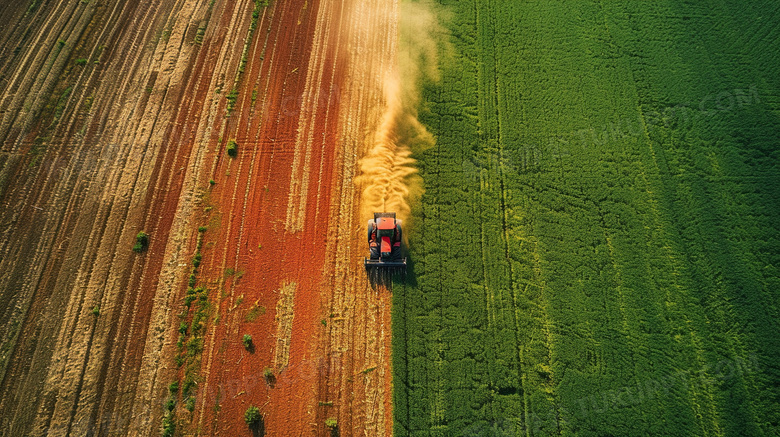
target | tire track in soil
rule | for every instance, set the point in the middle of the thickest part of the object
(274, 236)
(359, 342)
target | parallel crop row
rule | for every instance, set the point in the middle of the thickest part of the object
(596, 249)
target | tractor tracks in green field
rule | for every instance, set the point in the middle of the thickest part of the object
(503, 286)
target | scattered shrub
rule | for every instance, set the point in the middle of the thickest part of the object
(268, 374)
(252, 416)
(141, 242)
(247, 341)
(232, 148)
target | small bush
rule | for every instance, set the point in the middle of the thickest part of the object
(202, 229)
(247, 341)
(268, 374)
(183, 328)
(232, 148)
(196, 260)
(142, 238)
(189, 404)
(81, 61)
(252, 416)
(170, 404)
(141, 242)
(173, 388)
(331, 422)
(96, 311)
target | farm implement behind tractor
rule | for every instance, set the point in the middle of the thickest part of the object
(384, 244)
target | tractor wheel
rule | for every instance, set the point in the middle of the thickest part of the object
(373, 251)
(371, 226)
(396, 253)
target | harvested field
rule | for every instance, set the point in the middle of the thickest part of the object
(229, 133)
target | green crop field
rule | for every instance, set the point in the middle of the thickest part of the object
(597, 250)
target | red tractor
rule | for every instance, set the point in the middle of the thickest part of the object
(384, 242)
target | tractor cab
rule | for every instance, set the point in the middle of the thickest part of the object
(384, 241)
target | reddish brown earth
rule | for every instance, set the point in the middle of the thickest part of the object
(114, 118)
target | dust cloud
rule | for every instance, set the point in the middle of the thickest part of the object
(387, 175)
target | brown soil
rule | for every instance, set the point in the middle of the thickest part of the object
(94, 151)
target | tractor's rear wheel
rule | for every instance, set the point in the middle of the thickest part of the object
(396, 253)
(373, 250)
(370, 227)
